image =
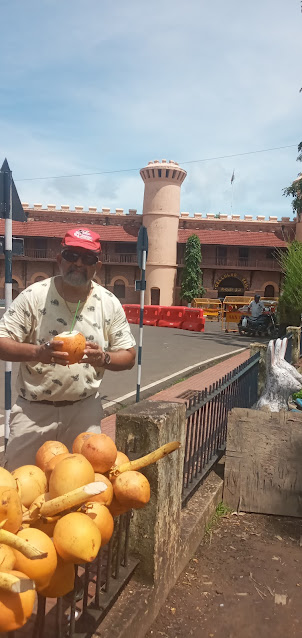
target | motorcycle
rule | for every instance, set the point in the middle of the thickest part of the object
(264, 326)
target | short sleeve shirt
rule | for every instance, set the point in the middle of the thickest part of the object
(39, 313)
(256, 308)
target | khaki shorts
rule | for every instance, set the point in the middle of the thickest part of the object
(31, 424)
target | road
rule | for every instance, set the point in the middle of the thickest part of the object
(167, 352)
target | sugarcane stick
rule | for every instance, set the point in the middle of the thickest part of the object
(138, 464)
(21, 545)
(72, 499)
(13, 583)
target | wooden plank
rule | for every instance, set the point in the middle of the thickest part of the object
(263, 469)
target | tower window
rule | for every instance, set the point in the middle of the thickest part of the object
(159, 172)
(167, 172)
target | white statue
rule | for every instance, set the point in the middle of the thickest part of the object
(282, 379)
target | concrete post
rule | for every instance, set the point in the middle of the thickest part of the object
(262, 348)
(155, 530)
(296, 332)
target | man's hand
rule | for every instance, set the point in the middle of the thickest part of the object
(50, 353)
(94, 355)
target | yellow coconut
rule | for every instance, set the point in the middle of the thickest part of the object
(42, 569)
(6, 479)
(61, 582)
(53, 462)
(101, 516)
(72, 342)
(15, 609)
(72, 472)
(32, 482)
(7, 557)
(121, 458)
(106, 497)
(76, 538)
(10, 509)
(116, 509)
(132, 489)
(79, 442)
(100, 451)
(47, 451)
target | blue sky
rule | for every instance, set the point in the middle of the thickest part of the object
(92, 86)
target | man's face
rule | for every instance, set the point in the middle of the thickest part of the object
(74, 269)
(257, 298)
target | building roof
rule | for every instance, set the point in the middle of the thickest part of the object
(232, 238)
(128, 233)
(125, 233)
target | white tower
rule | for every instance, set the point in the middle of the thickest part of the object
(161, 217)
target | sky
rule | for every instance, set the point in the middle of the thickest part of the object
(89, 86)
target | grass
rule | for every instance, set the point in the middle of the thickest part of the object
(221, 511)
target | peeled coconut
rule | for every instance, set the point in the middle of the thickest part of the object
(72, 472)
(7, 557)
(101, 451)
(53, 462)
(10, 509)
(41, 569)
(47, 451)
(132, 489)
(101, 516)
(15, 609)
(31, 481)
(74, 343)
(61, 582)
(106, 497)
(6, 479)
(79, 442)
(76, 538)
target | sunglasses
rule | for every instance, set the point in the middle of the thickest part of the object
(88, 259)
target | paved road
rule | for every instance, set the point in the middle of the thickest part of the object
(166, 351)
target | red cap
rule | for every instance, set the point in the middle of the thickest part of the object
(82, 238)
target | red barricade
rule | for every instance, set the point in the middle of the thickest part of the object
(171, 316)
(151, 315)
(193, 320)
(132, 312)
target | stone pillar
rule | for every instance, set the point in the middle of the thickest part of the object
(262, 348)
(155, 529)
(296, 332)
(161, 210)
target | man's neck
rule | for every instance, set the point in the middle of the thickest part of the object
(72, 293)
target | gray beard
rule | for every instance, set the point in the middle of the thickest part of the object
(75, 279)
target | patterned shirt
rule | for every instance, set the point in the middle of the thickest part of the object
(39, 313)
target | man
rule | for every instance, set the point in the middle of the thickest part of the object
(256, 307)
(57, 401)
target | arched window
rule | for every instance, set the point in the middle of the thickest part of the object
(15, 288)
(269, 291)
(39, 278)
(119, 289)
(155, 296)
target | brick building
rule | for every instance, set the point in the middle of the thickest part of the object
(238, 254)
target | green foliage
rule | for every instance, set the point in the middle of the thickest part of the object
(295, 189)
(290, 302)
(297, 395)
(191, 283)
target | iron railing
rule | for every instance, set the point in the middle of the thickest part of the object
(97, 586)
(207, 414)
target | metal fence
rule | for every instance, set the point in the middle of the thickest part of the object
(207, 414)
(97, 586)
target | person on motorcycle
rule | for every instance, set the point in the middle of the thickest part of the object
(256, 307)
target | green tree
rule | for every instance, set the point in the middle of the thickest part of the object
(290, 302)
(295, 189)
(191, 281)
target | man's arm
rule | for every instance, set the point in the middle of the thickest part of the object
(11, 350)
(123, 359)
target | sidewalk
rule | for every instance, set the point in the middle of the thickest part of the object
(198, 382)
